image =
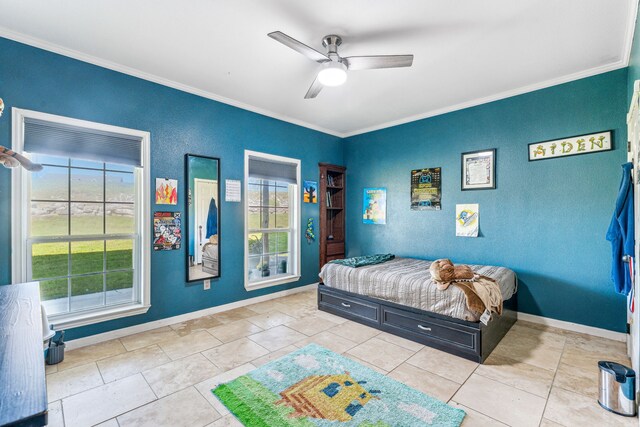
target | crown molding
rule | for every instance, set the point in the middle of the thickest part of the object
(80, 56)
(502, 95)
(52, 47)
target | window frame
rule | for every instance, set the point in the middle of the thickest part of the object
(20, 202)
(294, 224)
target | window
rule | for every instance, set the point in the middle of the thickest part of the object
(272, 219)
(81, 223)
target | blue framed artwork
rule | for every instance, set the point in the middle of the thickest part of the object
(374, 206)
(310, 192)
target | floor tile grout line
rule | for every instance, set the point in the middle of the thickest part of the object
(64, 423)
(100, 372)
(512, 386)
(160, 398)
(460, 387)
(555, 373)
(102, 385)
(75, 394)
(404, 361)
(149, 385)
(482, 413)
(449, 379)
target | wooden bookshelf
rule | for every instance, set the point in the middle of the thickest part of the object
(333, 187)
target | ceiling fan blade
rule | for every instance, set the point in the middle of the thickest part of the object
(299, 47)
(380, 61)
(314, 90)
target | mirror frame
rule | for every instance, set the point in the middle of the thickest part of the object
(188, 210)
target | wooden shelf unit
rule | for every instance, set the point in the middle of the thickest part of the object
(333, 187)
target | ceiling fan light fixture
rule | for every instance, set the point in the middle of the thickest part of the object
(333, 74)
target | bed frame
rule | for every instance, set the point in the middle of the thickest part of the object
(471, 340)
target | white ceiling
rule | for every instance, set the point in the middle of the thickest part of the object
(466, 51)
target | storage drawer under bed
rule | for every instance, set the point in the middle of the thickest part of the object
(470, 340)
(421, 326)
(364, 311)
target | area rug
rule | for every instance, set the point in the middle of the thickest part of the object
(316, 387)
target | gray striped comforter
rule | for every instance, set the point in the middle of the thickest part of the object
(407, 281)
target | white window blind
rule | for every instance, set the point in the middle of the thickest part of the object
(273, 170)
(65, 140)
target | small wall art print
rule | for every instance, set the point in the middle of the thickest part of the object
(467, 220)
(583, 144)
(374, 206)
(479, 170)
(167, 231)
(310, 192)
(426, 189)
(166, 191)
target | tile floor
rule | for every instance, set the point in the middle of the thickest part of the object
(537, 376)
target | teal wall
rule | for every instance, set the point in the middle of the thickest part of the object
(179, 123)
(546, 220)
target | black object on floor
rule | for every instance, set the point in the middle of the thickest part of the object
(55, 354)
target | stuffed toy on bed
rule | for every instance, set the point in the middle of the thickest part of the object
(444, 272)
(481, 292)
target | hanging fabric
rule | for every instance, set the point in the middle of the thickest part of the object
(621, 233)
(632, 306)
(212, 219)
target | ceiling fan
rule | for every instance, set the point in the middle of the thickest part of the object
(334, 67)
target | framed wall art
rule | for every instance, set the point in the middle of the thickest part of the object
(374, 206)
(310, 192)
(166, 191)
(478, 170)
(167, 231)
(571, 146)
(426, 189)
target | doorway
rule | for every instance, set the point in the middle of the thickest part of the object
(205, 190)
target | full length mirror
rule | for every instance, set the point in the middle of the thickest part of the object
(203, 217)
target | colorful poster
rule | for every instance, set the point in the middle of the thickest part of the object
(426, 189)
(167, 231)
(467, 220)
(374, 206)
(166, 191)
(310, 192)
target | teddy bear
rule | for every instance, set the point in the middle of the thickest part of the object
(444, 272)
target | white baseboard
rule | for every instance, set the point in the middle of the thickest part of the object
(119, 333)
(575, 327)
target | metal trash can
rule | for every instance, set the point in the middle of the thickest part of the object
(617, 388)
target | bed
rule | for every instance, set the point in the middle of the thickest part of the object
(400, 297)
(210, 258)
